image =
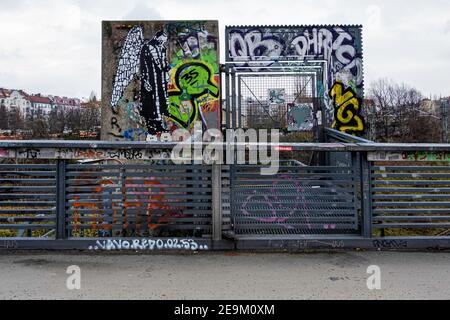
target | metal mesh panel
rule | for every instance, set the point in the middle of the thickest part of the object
(297, 200)
(264, 100)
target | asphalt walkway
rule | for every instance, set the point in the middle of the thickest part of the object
(221, 275)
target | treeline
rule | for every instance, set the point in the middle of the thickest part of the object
(400, 113)
(72, 123)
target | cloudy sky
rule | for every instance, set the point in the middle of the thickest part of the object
(54, 46)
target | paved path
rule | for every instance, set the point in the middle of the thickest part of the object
(226, 276)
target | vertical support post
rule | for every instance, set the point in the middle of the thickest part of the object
(216, 181)
(355, 165)
(322, 157)
(239, 102)
(227, 97)
(232, 190)
(366, 196)
(61, 230)
(233, 100)
(444, 117)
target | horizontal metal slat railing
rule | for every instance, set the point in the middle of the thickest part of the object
(27, 199)
(411, 196)
(49, 200)
(132, 200)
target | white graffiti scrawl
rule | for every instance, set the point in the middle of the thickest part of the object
(336, 50)
(259, 48)
(253, 46)
(148, 244)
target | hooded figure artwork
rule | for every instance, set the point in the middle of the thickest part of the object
(154, 82)
(146, 59)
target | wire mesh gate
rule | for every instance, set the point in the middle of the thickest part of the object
(306, 196)
(298, 200)
(265, 100)
(287, 96)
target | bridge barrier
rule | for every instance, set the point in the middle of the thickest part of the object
(100, 195)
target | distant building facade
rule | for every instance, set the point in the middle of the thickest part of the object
(15, 99)
(40, 106)
(64, 103)
(32, 105)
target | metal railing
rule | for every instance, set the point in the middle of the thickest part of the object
(389, 196)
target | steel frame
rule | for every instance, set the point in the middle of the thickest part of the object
(222, 239)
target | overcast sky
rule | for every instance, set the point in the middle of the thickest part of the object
(54, 46)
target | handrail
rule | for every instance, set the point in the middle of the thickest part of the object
(63, 149)
(344, 137)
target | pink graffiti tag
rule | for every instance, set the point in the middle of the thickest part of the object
(300, 203)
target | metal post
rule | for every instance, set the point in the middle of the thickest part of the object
(319, 124)
(366, 196)
(355, 165)
(61, 231)
(444, 119)
(239, 102)
(216, 182)
(233, 100)
(227, 97)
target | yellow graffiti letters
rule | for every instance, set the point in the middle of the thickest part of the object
(347, 107)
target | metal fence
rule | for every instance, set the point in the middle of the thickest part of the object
(298, 200)
(130, 196)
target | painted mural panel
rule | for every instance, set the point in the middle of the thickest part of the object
(300, 117)
(159, 76)
(339, 48)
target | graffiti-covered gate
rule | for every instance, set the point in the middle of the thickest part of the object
(299, 80)
(298, 200)
(274, 72)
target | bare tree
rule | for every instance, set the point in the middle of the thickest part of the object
(15, 120)
(397, 114)
(73, 120)
(56, 121)
(90, 118)
(39, 127)
(3, 118)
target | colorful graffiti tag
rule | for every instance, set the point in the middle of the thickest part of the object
(347, 108)
(336, 49)
(300, 117)
(193, 87)
(159, 76)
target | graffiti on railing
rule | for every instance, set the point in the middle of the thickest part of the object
(93, 153)
(390, 244)
(148, 244)
(280, 212)
(9, 244)
(5, 153)
(140, 206)
(425, 156)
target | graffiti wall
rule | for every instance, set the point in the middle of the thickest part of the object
(336, 49)
(159, 76)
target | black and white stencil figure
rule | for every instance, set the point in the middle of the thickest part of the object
(154, 81)
(147, 60)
